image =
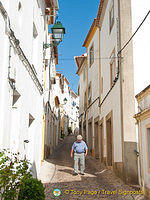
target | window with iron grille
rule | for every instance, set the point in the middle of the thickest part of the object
(148, 148)
(112, 69)
(91, 55)
(89, 94)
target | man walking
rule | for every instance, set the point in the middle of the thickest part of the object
(80, 150)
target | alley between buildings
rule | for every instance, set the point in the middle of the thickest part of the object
(97, 183)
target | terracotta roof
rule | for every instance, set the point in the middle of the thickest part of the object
(75, 95)
(89, 33)
(79, 61)
(95, 22)
(49, 3)
(143, 91)
(99, 12)
(58, 74)
(52, 4)
(67, 81)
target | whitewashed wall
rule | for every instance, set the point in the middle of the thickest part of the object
(14, 121)
(112, 103)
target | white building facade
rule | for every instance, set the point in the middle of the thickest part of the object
(110, 127)
(143, 122)
(23, 28)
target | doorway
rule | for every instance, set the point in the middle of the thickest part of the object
(101, 141)
(84, 131)
(96, 140)
(109, 138)
(90, 136)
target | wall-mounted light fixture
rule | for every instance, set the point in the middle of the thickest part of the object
(58, 32)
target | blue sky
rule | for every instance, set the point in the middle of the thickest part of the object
(77, 17)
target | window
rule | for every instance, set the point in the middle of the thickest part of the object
(84, 74)
(16, 96)
(78, 90)
(111, 16)
(148, 148)
(19, 6)
(91, 55)
(89, 94)
(35, 33)
(85, 102)
(31, 119)
(112, 69)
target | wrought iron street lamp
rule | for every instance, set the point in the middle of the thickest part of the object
(65, 101)
(58, 32)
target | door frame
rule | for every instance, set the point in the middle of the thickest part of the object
(109, 116)
(90, 121)
(96, 121)
(101, 140)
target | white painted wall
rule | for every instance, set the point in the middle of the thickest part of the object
(14, 120)
(141, 46)
(146, 174)
(112, 103)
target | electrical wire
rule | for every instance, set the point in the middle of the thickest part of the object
(105, 58)
(100, 104)
(134, 33)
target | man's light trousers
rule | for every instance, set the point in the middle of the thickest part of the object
(78, 157)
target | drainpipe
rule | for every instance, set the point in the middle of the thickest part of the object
(119, 72)
(139, 157)
(11, 81)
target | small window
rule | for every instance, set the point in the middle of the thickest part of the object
(31, 119)
(84, 74)
(112, 69)
(111, 16)
(89, 94)
(16, 96)
(91, 55)
(19, 6)
(78, 90)
(35, 33)
(85, 101)
(148, 148)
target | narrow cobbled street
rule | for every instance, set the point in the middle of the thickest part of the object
(97, 182)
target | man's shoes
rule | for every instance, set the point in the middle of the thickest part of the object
(82, 174)
(75, 174)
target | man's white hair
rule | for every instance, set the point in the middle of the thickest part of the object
(79, 137)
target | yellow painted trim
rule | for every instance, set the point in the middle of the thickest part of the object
(143, 115)
(141, 154)
(82, 67)
(90, 37)
(143, 95)
(148, 167)
(87, 134)
(43, 137)
(110, 116)
(100, 79)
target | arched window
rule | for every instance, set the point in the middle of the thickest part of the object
(57, 102)
(19, 6)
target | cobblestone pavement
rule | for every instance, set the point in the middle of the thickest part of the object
(97, 183)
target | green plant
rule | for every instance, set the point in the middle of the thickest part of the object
(12, 171)
(32, 189)
(69, 130)
(62, 135)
